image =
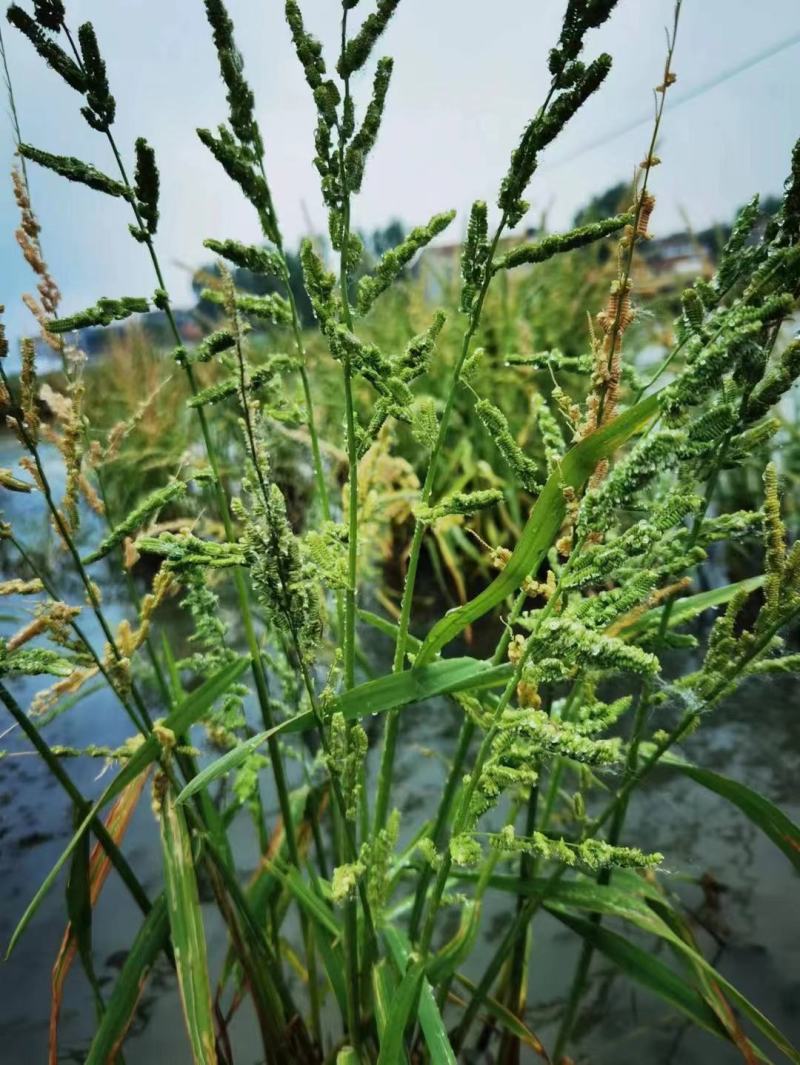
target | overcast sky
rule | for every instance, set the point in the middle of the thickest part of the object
(468, 75)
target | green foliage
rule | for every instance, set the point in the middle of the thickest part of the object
(325, 465)
(365, 137)
(214, 344)
(357, 50)
(283, 580)
(49, 16)
(241, 102)
(262, 377)
(393, 261)
(541, 250)
(34, 662)
(186, 929)
(309, 50)
(522, 467)
(345, 758)
(75, 170)
(104, 312)
(272, 308)
(475, 256)
(257, 260)
(237, 163)
(592, 854)
(461, 503)
(576, 84)
(140, 514)
(146, 189)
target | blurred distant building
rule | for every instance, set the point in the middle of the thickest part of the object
(678, 255)
(440, 264)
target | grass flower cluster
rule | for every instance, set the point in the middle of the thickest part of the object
(590, 515)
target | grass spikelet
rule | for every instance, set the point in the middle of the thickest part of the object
(28, 239)
(140, 514)
(50, 16)
(366, 135)
(357, 50)
(392, 262)
(146, 191)
(103, 313)
(545, 249)
(75, 170)
(100, 106)
(256, 260)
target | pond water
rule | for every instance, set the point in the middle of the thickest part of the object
(754, 737)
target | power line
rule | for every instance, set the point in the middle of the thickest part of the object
(677, 100)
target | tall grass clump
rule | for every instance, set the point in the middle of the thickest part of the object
(337, 941)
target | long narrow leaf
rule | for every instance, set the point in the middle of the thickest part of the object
(322, 916)
(625, 896)
(505, 1018)
(451, 955)
(184, 715)
(543, 524)
(121, 1005)
(265, 885)
(384, 988)
(710, 988)
(328, 933)
(632, 906)
(348, 1056)
(374, 697)
(187, 932)
(255, 953)
(430, 1019)
(764, 814)
(683, 610)
(79, 910)
(400, 1014)
(645, 968)
(660, 928)
(387, 627)
(116, 823)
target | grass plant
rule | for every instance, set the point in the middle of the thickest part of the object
(585, 494)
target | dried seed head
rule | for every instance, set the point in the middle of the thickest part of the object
(528, 695)
(618, 312)
(669, 79)
(646, 205)
(27, 386)
(28, 239)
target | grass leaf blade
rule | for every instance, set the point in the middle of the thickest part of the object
(430, 1019)
(120, 1007)
(402, 1007)
(765, 815)
(99, 867)
(373, 697)
(184, 715)
(543, 524)
(187, 932)
(646, 969)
